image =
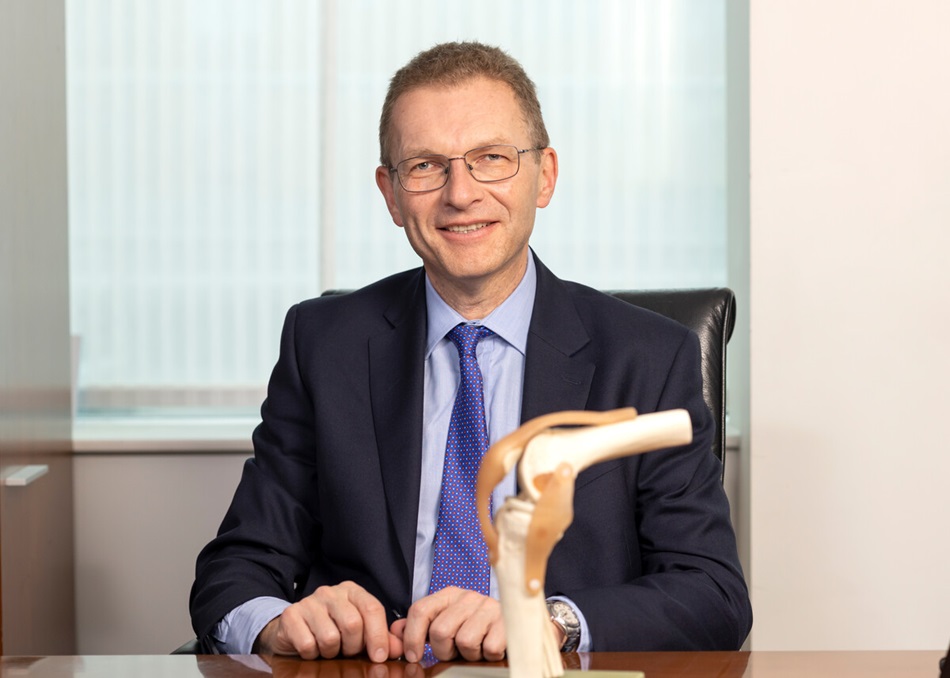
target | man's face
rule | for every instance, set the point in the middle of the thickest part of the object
(471, 236)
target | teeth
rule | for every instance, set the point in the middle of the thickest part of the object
(465, 229)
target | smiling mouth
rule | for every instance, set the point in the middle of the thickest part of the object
(467, 228)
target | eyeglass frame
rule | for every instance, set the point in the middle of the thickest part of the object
(448, 164)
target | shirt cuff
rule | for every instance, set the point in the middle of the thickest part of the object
(239, 628)
(585, 645)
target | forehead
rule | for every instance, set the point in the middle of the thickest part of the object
(457, 118)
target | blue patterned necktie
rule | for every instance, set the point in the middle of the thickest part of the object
(461, 557)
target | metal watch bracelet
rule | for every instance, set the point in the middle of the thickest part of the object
(565, 617)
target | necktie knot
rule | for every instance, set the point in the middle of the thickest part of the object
(466, 338)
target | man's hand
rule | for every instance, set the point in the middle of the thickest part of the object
(343, 619)
(456, 622)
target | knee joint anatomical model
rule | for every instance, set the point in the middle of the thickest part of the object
(552, 450)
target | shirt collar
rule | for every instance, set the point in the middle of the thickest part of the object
(510, 320)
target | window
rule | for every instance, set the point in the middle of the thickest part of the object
(207, 194)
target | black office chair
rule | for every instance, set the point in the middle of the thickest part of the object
(945, 665)
(195, 646)
(709, 312)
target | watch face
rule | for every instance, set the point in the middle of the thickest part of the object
(564, 616)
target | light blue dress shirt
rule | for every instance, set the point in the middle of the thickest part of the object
(501, 358)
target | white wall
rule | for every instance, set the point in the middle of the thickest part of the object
(850, 324)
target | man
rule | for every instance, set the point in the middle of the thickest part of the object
(329, 544)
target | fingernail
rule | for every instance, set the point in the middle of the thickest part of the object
(380, 655)
(411, 657)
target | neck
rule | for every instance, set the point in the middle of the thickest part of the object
(475, 299)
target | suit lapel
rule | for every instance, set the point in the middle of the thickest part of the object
(558, 374)
(558, 370)
(396, 359)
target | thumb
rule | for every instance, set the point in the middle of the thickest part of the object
(396, 649)
(398, 628)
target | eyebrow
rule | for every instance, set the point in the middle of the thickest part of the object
(422, 152)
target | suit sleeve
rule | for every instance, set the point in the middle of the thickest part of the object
(685, 590)
(265, 543)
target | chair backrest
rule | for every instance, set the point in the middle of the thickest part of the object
(711, 314)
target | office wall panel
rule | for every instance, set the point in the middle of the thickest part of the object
(850, 208)
(36, 529)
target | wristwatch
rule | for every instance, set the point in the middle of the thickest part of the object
(565, 617)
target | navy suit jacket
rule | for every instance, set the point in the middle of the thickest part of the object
(332, 491)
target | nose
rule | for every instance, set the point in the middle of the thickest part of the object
(461, 189)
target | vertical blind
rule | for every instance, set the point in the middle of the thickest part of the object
(222, 157)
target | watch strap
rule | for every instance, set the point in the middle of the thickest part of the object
(565, 617)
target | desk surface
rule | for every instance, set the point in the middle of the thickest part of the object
(655, 664)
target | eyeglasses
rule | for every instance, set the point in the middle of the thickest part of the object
(487, 164)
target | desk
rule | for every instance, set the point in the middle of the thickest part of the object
(922, 664)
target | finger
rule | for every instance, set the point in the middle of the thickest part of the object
(495, 644)
(348, 620)
(396, 649)
(442, 639)
(295, 632)
(334, 621)
(480, 615)
(375, 635)
(468, 639)
(458, 627)
(398, 628)
(418, 618)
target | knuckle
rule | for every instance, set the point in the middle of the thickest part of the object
(493, 655)
(493, 650)
(372, 606)
(306, 647)
(349, 623)
(328, 633)
(323, 593)
(327, 637)
(424, 607)
(292, 615)
(468, 640)
(438, 632)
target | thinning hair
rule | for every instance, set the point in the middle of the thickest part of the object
(452, 63)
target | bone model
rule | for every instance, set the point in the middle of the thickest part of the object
(528, 526)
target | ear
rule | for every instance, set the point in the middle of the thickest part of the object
(547, 177)
(384, 179)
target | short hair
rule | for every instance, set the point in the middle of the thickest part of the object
(453, 63)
